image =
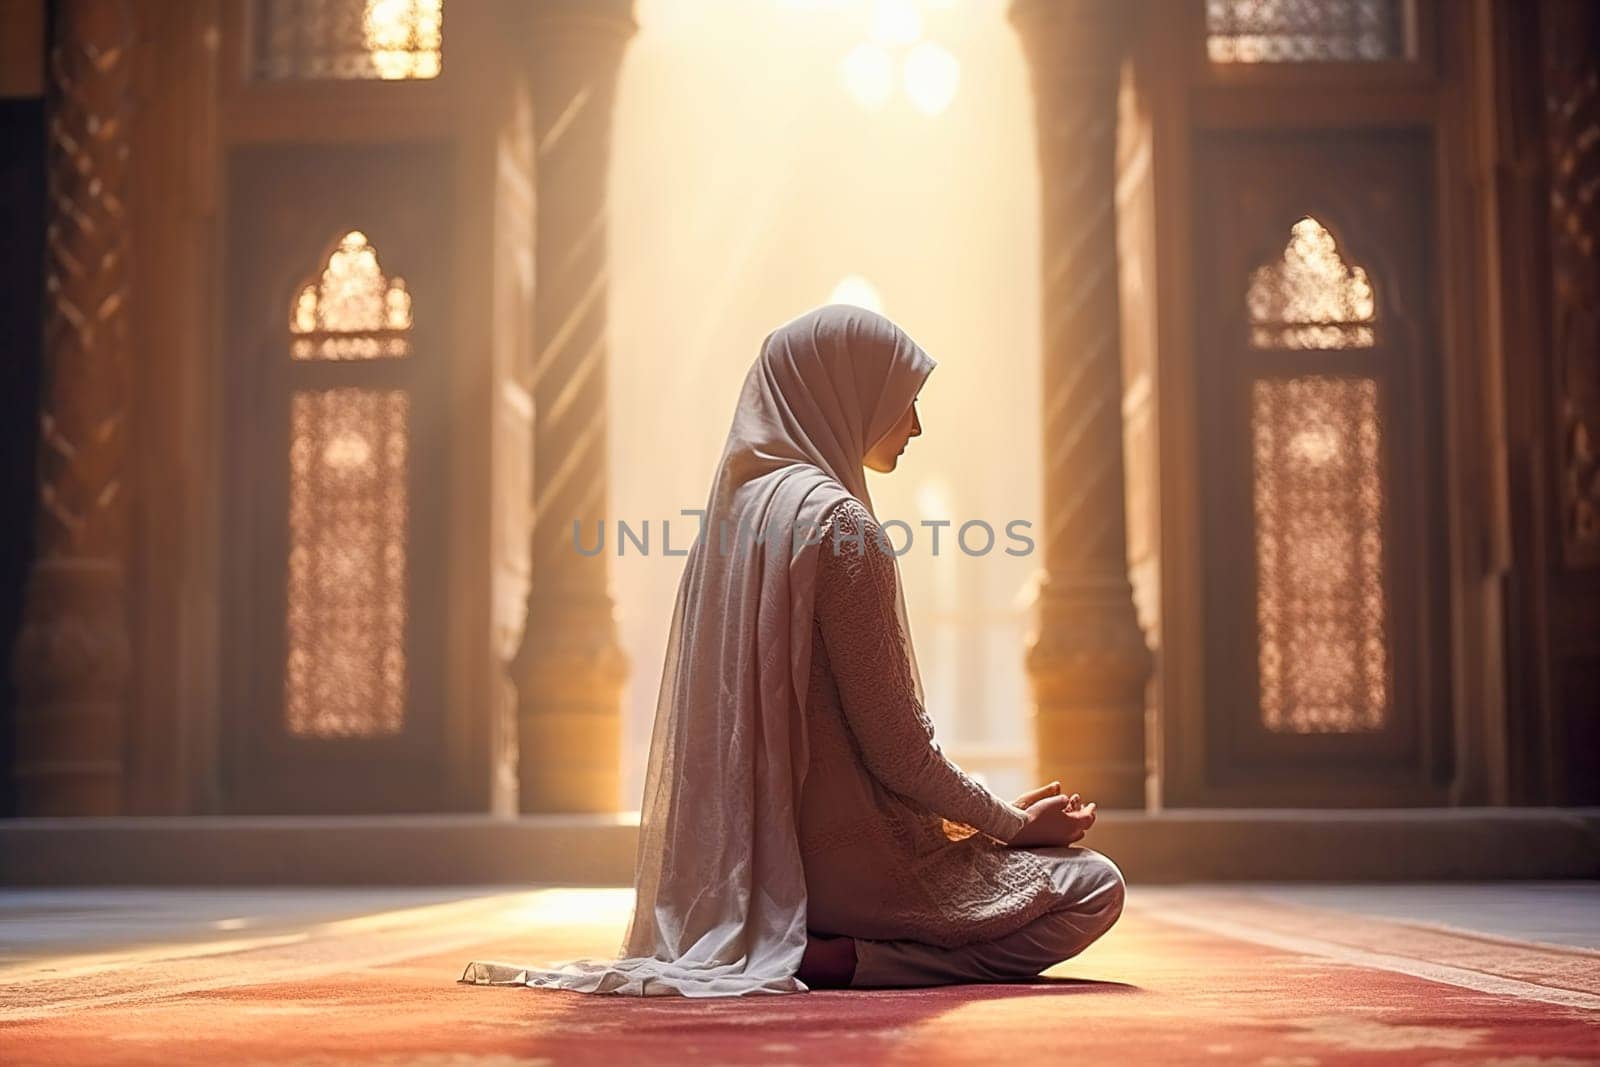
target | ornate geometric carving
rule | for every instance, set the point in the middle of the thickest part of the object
(83, 423)
(345, 674)
(1572, 132)
(345, 671)
(1322, 645)
(73, 661)
(1305, 31)
(341, 39)
(352, 311)
(72, 655)
(1310, 298)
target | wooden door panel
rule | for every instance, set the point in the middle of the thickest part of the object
(333, 627)
(1323, 588)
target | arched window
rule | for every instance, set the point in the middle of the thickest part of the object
(1318, 499)
(1310, 298)
(1321, 646)
(345, 672)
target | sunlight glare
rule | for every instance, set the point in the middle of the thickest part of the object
(933, 499)
(403, 37)
(869, 75)
(854, 289)
(932, 76)
(818, 5)
(896, 23)
(567, 908)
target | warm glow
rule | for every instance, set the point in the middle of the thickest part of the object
(1320, 611)
(347, 39)
(854, 289)
(568, 908)
(932, 76)
(351, 311)
(345, 674)
(896, 23)
(933, 499)
(1310, 299)
(928, 72)
(744, 189)
(868, 73)
(403, 37)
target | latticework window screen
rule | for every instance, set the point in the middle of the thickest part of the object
(1305, 31)
(347, 604)
(1317, 480)
(347, 39)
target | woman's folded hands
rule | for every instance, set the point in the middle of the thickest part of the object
(1053, 820)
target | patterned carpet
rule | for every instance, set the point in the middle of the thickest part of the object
(1189, 976)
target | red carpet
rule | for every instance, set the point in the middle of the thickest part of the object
(1190, 978)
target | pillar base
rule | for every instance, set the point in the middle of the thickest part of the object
(71, 665)
(569, 760)
(1088, 664)
(569, 675)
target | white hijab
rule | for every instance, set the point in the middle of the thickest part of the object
(720, 893)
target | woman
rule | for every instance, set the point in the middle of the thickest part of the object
(800, 826)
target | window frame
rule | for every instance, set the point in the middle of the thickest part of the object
(1418, 68)
(334, 109)
(1243, 759)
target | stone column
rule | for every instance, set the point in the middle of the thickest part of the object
(1086, 658)
(570, 668)
(71, 662)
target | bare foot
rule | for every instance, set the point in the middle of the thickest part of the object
(829, 962)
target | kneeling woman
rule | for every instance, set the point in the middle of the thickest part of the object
(801, 827)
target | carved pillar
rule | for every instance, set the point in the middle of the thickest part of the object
(1571, 30)
(72, 661)
(570, 668)
(1570, 47)
(1086, 658)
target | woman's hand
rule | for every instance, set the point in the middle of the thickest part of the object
(1053, 820)
(1033, 796)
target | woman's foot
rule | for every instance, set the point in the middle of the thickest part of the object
(829, 962)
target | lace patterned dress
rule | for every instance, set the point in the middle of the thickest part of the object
(897, 841)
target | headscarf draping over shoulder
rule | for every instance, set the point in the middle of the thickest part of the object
(720, 894)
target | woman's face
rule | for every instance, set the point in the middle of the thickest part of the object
(883, 456)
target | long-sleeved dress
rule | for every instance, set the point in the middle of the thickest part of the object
(897, 841)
